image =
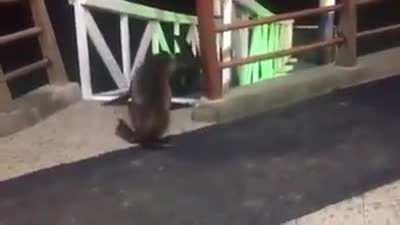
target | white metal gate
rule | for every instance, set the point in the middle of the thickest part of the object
(86, 26)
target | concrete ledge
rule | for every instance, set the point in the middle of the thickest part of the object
(270, 94)
(39, 104)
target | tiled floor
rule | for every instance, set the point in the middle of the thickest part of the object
(81, 131)
(377, 207)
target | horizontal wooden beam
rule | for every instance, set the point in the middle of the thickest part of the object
(5, 94)
(364, 2)
(30, 32)
(276, 18)
(24, 70)
(9, 1)
(378, 31)
(253, 7)
(277, 54)
(139, 11)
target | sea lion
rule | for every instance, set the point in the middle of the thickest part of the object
(150, 96)
(149, 103)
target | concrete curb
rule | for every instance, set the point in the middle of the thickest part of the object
(36, 106)
(250, 100)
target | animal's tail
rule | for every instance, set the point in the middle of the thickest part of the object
(125, 132)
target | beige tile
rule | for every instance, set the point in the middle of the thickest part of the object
(387, 192)
(382, 213)
(293, 222)
(382, 205)
(349, 212)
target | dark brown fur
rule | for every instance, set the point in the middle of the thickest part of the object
(149, 108)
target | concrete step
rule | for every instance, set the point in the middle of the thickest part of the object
(250, 100)
(37, 105)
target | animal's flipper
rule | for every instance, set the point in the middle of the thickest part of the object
(125, 132)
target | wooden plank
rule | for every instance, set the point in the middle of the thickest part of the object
(113, 92)
(366, 2)
(287, 39)
(281, 53)
(276, 18)
(192, 37)
(125, 46)
(5, 94)
(253, 7)
(83, 51)
(346, 55)
(327, 31)
(209, 58)
(25, 70)
(377, 31)
(217, 9)
(241, 42)
(143, 47)
(9, 1)
(177, 34)
(188, 101)
(109, 97)
(139, 11)
(48, 43)
(27, 33)
(227, 18)
(104, 51)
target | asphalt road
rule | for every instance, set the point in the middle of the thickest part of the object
(267, 169)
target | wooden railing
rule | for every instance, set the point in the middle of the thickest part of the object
(86, 28)
(51, 56)
(259, 40)
(346, 41)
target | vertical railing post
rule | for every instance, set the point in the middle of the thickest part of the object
(5, 95)
(125, 45)
(347, 52)
(327, 31)
(240, 39)
(227, 12)
(48, 42)
(209, 60)
(83, 51)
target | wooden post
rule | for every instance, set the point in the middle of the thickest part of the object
(326, 31)
(209, 59)
(240, 40)
(347, 52)
(48, 43)
(5, 94)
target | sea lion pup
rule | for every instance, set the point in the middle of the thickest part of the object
(149, 103)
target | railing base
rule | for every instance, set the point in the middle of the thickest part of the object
(250, 100)
(37, 105)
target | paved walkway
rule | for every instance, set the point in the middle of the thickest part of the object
(380, 206)
(85, 130)
(81, 131)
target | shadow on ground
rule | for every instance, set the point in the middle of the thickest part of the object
(263, 170)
